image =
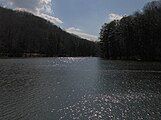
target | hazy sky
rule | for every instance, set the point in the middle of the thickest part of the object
(82, 17)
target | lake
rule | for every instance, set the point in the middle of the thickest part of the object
(79, 89)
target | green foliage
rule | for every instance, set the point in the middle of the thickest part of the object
(136, 37)
(23, 34)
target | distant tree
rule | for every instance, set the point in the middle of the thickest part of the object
(137, 36)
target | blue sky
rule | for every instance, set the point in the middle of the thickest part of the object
(89, 15)
(81, 17)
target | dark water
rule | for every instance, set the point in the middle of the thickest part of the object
(79, 89)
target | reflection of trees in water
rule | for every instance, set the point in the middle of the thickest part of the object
(125, 76)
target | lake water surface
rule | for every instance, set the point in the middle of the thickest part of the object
(79, 89)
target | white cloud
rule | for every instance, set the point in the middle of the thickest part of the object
(51, 18)
(73, 29)
(81, 34)
(42, 8)
(114, 16)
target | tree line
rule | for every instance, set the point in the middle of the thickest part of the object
(134, 37)
(23, 34)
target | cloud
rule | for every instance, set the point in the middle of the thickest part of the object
(50, 18)
(42, 8)
(81, 34)
(73, 29)
(114, 16)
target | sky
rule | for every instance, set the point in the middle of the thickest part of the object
(81, 17)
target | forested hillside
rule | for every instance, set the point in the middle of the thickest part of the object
(23, 34)
(136, 37)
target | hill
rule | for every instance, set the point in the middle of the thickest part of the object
(23, 34)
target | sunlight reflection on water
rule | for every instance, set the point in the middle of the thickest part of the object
(79, 89)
